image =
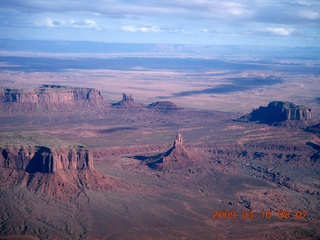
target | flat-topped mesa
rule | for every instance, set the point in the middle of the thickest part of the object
(164, 106)
(54, 168)
(277, 112)
(45, 160)
(51, 98)
(127, 102)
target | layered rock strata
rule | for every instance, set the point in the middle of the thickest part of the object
(277, 112)
(51, 98)
(45, 160)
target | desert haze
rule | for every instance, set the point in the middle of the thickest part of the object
(168, 142)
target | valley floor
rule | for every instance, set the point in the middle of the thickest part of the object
(238, 167)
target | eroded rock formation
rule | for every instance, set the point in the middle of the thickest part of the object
(277, 112)
(162, 106)
(45, 160)
(177, 157)
(57, 171)
(127, 102)
(51, 98)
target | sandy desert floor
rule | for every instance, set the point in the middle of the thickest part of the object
(216, 89)
(240, 167)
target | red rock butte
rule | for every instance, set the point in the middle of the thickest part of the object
(52, 98)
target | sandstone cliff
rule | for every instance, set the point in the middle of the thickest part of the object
(47, 166)
(51, 98)
(45, 160)
(277, 112)
(57, 172)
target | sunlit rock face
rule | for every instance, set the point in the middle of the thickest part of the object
(51, 98)
(45, 160)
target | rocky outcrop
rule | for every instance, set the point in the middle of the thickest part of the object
(177, 157)
(51, 98)
(163, 106)
(277, 112)
(127, 102)
(314, 129)
(54, 171)
(45, 160)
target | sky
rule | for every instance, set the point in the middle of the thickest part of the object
(242, 22)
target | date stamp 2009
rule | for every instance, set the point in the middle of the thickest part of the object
(264, 214)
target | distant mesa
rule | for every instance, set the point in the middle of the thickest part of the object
(52, 86)
(127, 102)
(281, 113)
(52, 98)
(163, 106)
(177, 157)
(68, 100)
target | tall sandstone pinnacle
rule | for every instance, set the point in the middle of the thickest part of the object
(178, 140)
(178, 156)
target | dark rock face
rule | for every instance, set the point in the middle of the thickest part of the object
(278, 111)
(314, 129)
(51, 98)
(45, 160)
(127, 102)
(165, 105)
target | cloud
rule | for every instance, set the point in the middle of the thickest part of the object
(86, 24)
(123, 9)
(140, 29)
(48, 22)
(271, 11)
(171, 19)
(289, 13)
(128, 29)
(79, 24)
(311, 15)
(277, 31)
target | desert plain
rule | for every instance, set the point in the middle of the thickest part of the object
(228, 178)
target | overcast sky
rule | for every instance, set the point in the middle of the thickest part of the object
(244, 22)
